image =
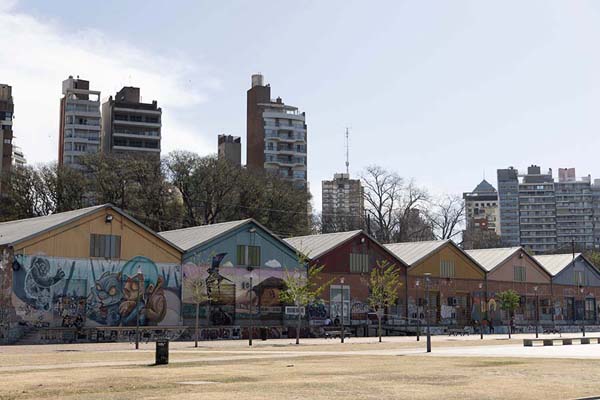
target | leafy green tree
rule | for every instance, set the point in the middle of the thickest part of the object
(509, 301)
(384, 282)
(302, 287)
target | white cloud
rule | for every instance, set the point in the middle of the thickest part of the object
(273, 264)
(41, 54)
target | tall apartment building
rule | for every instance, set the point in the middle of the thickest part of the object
(79, 122)
(130, 126)
(481, 207)
(276, 135)
(230, 149)
(7, 108)
(508, 205)
(18, 158)
(343, 204)
(550, 214)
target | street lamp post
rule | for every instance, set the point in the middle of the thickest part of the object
(480, 313)
(342, 311)
(427, 282)
(138, 311)
(250, 269)
(537, 311)
(582, 290)
(418, 315)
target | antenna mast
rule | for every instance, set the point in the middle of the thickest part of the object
(347, 153)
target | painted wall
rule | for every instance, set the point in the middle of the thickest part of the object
(506, 272)
(229, 284)
(73, 240)
(567, 275)
(464, 267)
(68, 292)
(337, 265)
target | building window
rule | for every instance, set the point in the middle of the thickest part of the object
(248, 255)
(359, 263)
(520, 275)
(105, 246)
(447, 269)
(579, 278)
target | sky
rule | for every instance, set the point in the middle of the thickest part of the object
(444, 92)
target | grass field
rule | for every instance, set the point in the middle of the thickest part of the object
(316, 370)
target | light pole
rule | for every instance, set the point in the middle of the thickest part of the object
(250, 269)
(342, 311)
(582, 290)
(137, 319)
(427, 282)
(480, 312)
(537, 311)
(418, 316)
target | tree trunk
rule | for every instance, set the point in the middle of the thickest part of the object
(379, 328)
(197, 322)
(509, 325)
(298, 325)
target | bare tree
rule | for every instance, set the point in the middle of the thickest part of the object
(382, 191)
(412, 226)
(447, 216)
(199, 295)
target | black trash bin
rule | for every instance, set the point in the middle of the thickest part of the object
(162, 352)
(263, 334)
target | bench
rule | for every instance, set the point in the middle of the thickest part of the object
(458, 331)
(563, 341)
(336, 332)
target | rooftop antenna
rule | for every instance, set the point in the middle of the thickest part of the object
(347, 153)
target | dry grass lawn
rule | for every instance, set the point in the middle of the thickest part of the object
(303, 376)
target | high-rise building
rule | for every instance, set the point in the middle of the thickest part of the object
(508, 205)
(18, 158)
(130, 126)
(79, 122)
(342, 204)
(550, 215)
(7, 108)
(537, 210)
(276, 135)
(230, 149)
(481, 207)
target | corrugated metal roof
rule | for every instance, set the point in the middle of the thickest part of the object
(12, 232)
(491, 258)
(189, 238)
(313, 246)
(555, 263)
(412, 252)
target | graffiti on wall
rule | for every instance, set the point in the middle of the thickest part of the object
(53, 292)
(231, 293)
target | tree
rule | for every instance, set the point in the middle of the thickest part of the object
(381, 191)
(302, 288)
(446, 215)
(198, 293)
(509, 301)
(475, 237)
(384, 282)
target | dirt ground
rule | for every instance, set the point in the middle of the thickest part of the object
(396, 369)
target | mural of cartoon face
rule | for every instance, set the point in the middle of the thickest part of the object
(38, 282)
(108, 289)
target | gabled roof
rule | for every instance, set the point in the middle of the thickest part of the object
(491, 258)
(14, 232)
(555, 263)
(189, 238)
(413, 252)
(314, 246)
(484, 187)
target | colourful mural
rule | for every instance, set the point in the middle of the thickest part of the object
(232, 296)
(55, 292)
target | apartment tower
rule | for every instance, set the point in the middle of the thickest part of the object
(79, 122)
(130, 127)
(276, 135)
(481, 207)
(230, 149)
(343, 204)
(7, 108)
